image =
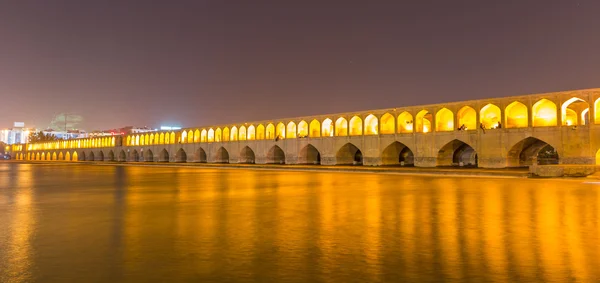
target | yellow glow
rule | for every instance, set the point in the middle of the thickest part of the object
(372, 125)
(291, 130)
(516, 115)
(142, 141)
(387, 124)
(54, 156)
(137, 141)
(147, 138)
(251, 133)
(67, 156)
(211, 135)
(75, 157)
(302, 129)
(544, 113)
(356, 127)
(225, 134)
(270, 131)
(468, 117)
(315, 129)
(172, 137)
(190, 136)
(260, 132)
(596, 111)
(43, 156)
(280, 131)
(242, 134)
(570, 117)
(571, 109)
(490, 115)
(341, 127)
(444, 119)
(162, 138)
(598, 157)
(234, 134)
(584, 113)
(327, 130)
(197, 135)
(405, 122)
(423, 122)
(218, 135)
(167, 138)
(61, 156)
(128, 140)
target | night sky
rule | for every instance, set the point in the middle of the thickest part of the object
(192, 63)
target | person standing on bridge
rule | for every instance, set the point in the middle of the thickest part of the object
(482, 126)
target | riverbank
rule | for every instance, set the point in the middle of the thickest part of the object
(437, 171)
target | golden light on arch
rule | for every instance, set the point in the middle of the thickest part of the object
(544, 113)
(67, 156)
(327, 128)
(172, 137)
(302, 129)
(371, 125)
(197, 135)
(260, 132)
(597, 111)
(314, 129)
(341, 127)
(242, 134)
(234, 134)
(467, 117)
(203, 135)
(218, 135)
(75, 157)
(225, 134)
(516, 115)
(490, 115)
(54, 156)
(137, 141)
(280, 131)
(356, 126)
(147, 139)
(270, 131)
(128, 140)
(162, 138)
(598, 157)
(251, 133)
(167, 138)
(572, 109)
(405, 122)
(423, 122)
(61, 156)
(291, 130)
(387, 124)
(43, 156)
(444, 120)
(211, 135)
(585, 116)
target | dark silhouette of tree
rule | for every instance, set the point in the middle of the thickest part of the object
(41, 137)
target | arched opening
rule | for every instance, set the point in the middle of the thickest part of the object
(75, 156)
(260, 132)
(43, 156)
(544, 113)
(341, 127)
(444, 120)
(270, 132)
(91, 156)
(100, 156)
(234, 134)
(251, 133)
(467, 119)
(490, 116)
(276, 155)
(315, 129)
(122, 156)
(397, 154)
(387, 124)
(242, 134)
(184, 136)
(61, 156)
(372, 125)
(200, 155)
(148, 156)
(423, 122)
(53, 156)
(405, 123)
(135, 156)
(598, 157)
(457, 153)
(163, 156)
(531, 151)
(309, 155)
(356, 127)
(225, 134)
(211, 135)
(111, 156)
(302, 129)
(291, 130)
(516, 115)
(280, 131)
(218, 135)
(197, 135)
(349, 154)
(247, 155)
(327, 128)
(80, 156)
(68, 156)
(172, 139)
(191, 137)
(222, 156)
(572, 110)
(180, 156)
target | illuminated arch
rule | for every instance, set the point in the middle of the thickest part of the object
(242, 133)
(172, 137)
(251, 133)
(572, 109)
(341, 127)
(531, 151)
(156, 138)
(137, 141)
(423, 121)
(68, 156)
(387, 124)
(61, 156)
(405, 122)
(291, 130)
(147, 139)
(197, 136)
(598, 157)
(585, 116)
(54, 156)
(544, 113)
(270, 131)
(43, 156)
(280, 131)
(234, 134)
(260, 132)
(444, 120)
(356, 126)
(190, 136)
(516, 115)
(162, 138)
(211, 135)
(397, 154)
(314, 129)
(184, 136)
(75, 156)
(457, 153)
(302, 129)
(225, 134)
(327, 128)
(490, 115)
(167, 138)
(467, 117)
(218, 135)
(349, 154)
(372, 125)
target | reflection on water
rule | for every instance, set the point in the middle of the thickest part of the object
(81, 223)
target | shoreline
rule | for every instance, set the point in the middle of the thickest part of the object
(396, 170)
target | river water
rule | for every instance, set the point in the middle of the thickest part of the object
(86, 223)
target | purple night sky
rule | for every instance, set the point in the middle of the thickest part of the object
(193, 63)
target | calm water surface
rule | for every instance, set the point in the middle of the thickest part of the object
(83, 223)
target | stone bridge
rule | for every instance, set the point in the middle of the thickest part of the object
(560, 127)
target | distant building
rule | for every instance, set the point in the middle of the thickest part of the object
(17, 134)
(70, 134)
